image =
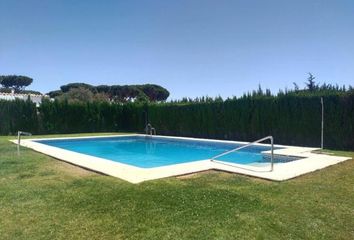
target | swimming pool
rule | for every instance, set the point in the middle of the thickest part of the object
(149, 152)
(137, 157)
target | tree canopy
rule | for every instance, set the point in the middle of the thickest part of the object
(67, 87)
(17, 82)
(311, 84)
(119, 93)
(77, 95)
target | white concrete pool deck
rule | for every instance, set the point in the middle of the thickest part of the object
(282, 171)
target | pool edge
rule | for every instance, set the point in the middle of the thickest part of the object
(282, 171)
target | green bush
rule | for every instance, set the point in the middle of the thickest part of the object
(18, 115)
(293, 119)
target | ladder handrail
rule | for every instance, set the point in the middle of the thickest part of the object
(19, 134)
(249, 144)
(153, 131)
(150, 130)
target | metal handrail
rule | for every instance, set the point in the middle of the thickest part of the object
(150, 130)
(153, 131)
(19, 134)
(249, 144)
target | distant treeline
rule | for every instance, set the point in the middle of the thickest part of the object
(114, 93)
(16, 83)
(9, 90)
(82, 92)
(292, 117)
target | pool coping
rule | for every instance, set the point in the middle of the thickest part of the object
(309, 161)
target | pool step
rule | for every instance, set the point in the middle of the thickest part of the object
(279, 158)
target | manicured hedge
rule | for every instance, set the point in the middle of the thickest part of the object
(292, 119)
(61, 117)
(18, 114)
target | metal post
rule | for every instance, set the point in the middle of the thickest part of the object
(18, 142)
(322, 123)
(272, 154)
(145, 117)
(19, 133)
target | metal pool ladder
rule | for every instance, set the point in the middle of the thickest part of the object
(150, 130)
(249, 144)
(19, 134)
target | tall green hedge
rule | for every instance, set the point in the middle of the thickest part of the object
(291, 119)
(18, 114)
(61, 117)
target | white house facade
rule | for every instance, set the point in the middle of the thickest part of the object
(35, 98)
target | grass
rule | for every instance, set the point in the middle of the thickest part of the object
(43, 198)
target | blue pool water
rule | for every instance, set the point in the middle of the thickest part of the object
(147, 152)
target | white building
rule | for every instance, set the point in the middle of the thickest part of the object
(35, 98)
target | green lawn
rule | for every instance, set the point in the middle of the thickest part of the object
(43, 198)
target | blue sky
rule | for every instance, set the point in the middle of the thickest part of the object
(191, 47)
